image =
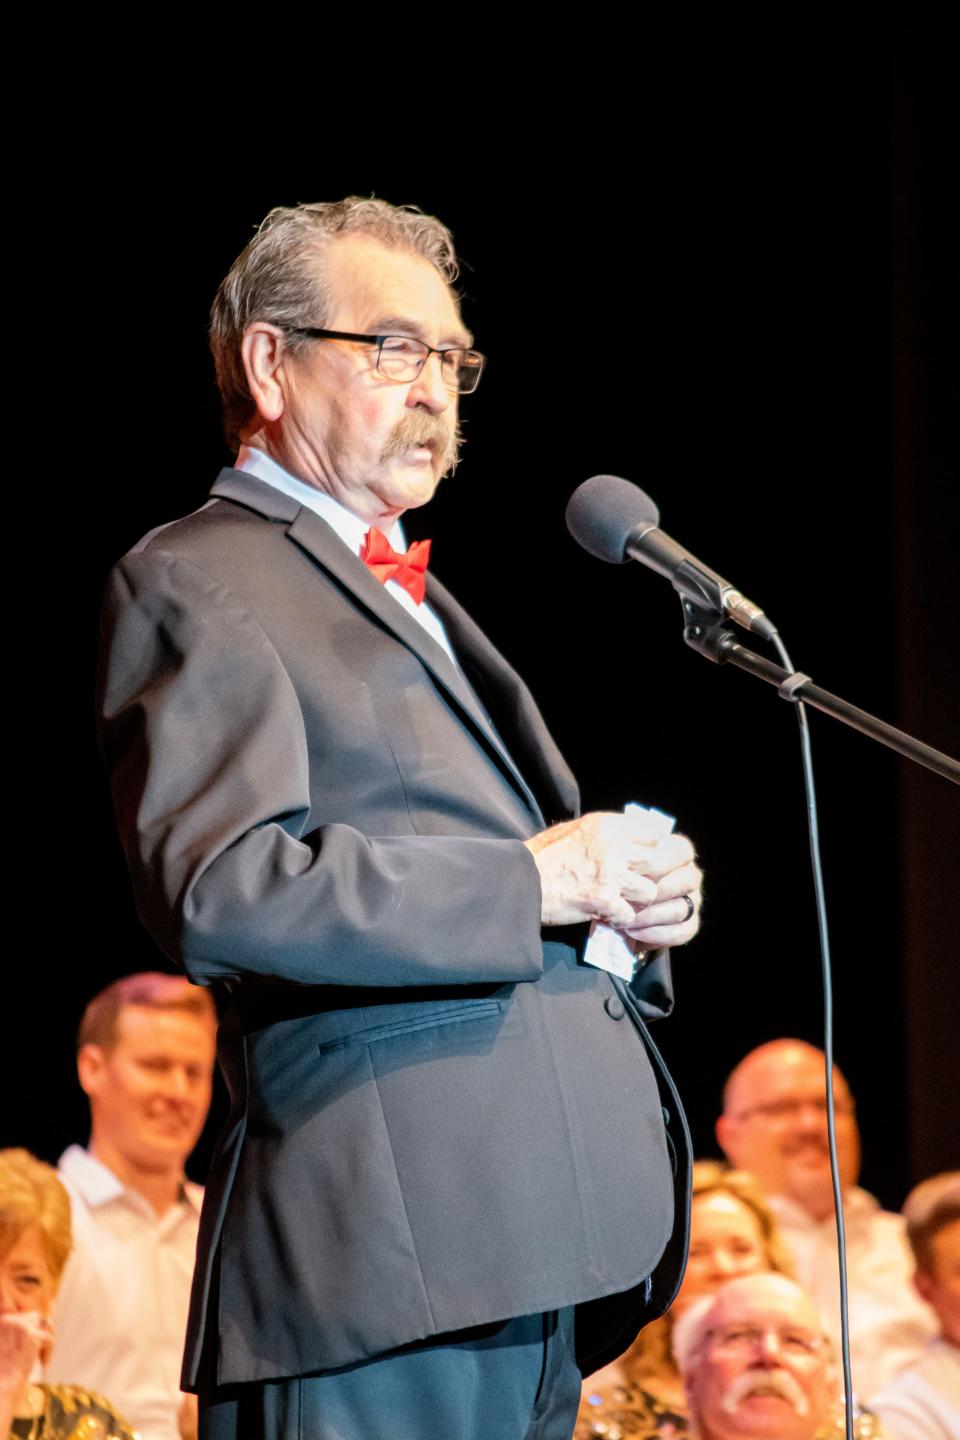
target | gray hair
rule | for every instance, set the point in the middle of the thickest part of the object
(277, 278)
(690, 1333)
(692, 1329)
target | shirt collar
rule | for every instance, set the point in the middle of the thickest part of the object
(98, 1184)
(857, 1204)
(351, 529)
(95, 1182)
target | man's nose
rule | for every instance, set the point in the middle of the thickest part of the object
(768, 1349)
(177, 1084)
(8, 1297)
(429, 389)
(813, 1116)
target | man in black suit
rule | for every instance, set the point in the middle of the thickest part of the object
(339, 801)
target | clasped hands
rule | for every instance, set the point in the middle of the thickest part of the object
(616, 869)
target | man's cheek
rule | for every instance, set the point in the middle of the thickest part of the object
(375, 418)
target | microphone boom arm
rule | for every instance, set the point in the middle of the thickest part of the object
(705, 632)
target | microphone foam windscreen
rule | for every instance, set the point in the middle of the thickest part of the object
(603, 512)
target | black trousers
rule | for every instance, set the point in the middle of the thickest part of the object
(513, 1381)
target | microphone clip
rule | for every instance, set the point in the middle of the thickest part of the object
(705, 631)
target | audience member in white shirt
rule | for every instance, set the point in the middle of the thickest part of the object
(923, 1402)
(774, 1124)
(145, 1060)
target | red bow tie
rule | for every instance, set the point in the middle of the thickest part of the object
(408, 569)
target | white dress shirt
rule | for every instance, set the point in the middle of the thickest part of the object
(923, 1402)
(889, 1323)
(350, 528)
(121, 1311)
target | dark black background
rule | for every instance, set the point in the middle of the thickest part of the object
(728, 276)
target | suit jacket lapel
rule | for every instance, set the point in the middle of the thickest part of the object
(512, 707)
(314, 535)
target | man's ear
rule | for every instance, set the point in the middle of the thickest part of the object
(723, 1130)
(262, 349)
(924, 1285)
(91, 1064)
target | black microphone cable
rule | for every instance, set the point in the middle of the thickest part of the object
(613, 520)
(813, 827)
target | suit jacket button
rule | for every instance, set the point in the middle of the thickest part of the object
(614, 1007)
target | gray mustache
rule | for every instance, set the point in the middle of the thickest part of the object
(779, 1380)
(420, 428)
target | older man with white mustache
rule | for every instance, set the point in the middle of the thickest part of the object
(756, 1362)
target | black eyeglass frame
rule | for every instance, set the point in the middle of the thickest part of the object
(315, 333)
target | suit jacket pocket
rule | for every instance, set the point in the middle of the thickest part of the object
(455, 1013)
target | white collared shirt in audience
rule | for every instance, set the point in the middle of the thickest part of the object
(121, 1311)
(923, 1401)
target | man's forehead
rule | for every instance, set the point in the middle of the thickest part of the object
(945, 1244)
(765, 1305)
(376, 288)
(149, 1024)
(788, 1070)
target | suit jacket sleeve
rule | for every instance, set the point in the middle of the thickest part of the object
(205, 742)
(652, 986)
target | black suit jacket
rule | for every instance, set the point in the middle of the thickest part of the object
(439, 1117)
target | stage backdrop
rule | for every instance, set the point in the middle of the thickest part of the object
(744, 313)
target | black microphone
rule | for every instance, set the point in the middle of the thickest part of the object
(617, 521)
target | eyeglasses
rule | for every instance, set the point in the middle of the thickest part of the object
(744, 1340)
(401, 358)
(778, 1111)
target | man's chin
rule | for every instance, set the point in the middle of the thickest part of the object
(812, 1187)
(770, 1416)
(410, 485)
(161, 1145)
(810, 1165)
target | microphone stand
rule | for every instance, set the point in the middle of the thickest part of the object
(705, 631)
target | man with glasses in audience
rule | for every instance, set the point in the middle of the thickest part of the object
(774, 1124)
(338, 800)
(756, 1362)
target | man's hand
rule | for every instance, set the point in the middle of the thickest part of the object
(613, 868)
(668, 920)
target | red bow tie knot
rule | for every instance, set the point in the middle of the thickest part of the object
(409, 569)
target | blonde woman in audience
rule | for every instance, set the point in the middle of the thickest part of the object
(34, 1244)
(732, 1233)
